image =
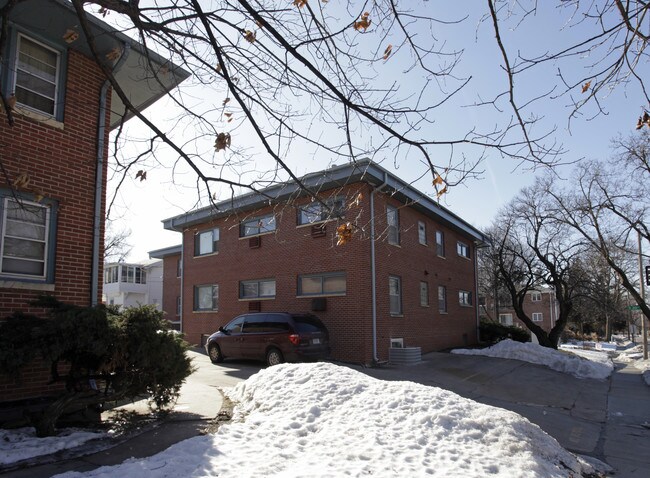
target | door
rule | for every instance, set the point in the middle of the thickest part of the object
(252, 338)
(229, 342)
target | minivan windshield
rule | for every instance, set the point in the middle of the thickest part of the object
(308, 324)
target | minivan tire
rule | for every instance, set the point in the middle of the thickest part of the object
(274, 357)
(214, 352)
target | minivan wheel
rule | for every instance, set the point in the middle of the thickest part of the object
(274, 357)
(215, 353)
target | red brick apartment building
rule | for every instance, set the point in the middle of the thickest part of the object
(407, 274)
(52, 189)
(540, 305)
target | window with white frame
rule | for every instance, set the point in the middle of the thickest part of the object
(505, 319)
(112, 275)
(133, 274)
(206, 242)
(442, 299)
(392, 220)
(538, 317)
(462, 249)
(424, 294)
(318, 212)
(422, 233)
(37, 71)
(25, 241)
(330, 283)
(440, 243)
(395, 294)
(206, 297)
(178, 305)
(257, 226)
(464, 297)
(536, 296)
(257, 289)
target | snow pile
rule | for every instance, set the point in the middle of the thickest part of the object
(631, 354)
(589, 364)
(22, 443)
(324, 420)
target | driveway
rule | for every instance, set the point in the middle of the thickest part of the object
(606, 419)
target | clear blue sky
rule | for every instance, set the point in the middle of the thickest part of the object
(142, 205)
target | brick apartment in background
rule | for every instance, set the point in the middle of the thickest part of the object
(407, 274)
(540, 305)
(52, 190)
(171, 283)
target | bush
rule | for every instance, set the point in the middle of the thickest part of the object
(110, 355)
(493, 332)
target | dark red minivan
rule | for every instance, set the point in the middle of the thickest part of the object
(275, 337)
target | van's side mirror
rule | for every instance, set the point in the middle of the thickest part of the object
(223, 331)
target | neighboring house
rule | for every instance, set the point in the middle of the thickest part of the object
(540, 305)
(405, 275)
(133, 284)
(53, 181)
(172, 277)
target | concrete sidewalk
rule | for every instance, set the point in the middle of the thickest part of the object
(605, 419)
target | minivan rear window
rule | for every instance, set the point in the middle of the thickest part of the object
(307, 325)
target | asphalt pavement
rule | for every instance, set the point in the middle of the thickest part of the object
(605, 419)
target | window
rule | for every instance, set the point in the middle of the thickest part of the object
(206, 297)
(464, 297)
(133, 275)
(422, 233)
(440, 243)
(254, 227)
(505, 319)
(536, 296)
(538, 317)
(462, 249)
(392, 220)
(424, 294)
(178, 305)
(25, 242)
(257, 289)
(332, 283)
(37, 71)
(317, 212)
(395, 295)
(179, 267)
(442, 299)
(111, 274)
(206, 242)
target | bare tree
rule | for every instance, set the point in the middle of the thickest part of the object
(358, 79)
(531, 249)
(116, 243)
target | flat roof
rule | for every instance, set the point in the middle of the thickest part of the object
(335, 177)
(166, 251)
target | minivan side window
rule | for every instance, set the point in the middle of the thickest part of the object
(254, 324)
(235, 326)
(277, 323)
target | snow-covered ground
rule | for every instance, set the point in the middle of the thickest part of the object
(324, 420)
(579, 363)
(22, 443)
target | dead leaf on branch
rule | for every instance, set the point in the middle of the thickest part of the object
(356, 201)
(21, 181)
(441, 192)
(388, 51)
(363, 23)
(300, 3)
(11, 102)
(586, 86)
(114, 54)
(225, 102)
(222, 141)
(70, 36)
(343, 234)
(438, 181)
(643, 120)
(142, 174)
(249, 36)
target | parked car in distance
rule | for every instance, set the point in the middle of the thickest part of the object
(274, 337)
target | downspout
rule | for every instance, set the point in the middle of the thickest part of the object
(99, 179)
(180, 314)
(478, 318)
(373, 269)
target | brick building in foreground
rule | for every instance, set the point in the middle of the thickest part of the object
(407, 274)
(53, 182)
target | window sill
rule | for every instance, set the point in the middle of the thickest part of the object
(14, 284)
(441, 257)
(467, 306)
(425, 306)
(443, 312)
(395, 245)
(40, 117)
(241, 238)
(201, 256)
(252, 299)
(397, 315)
(315, 296)
(211, 311)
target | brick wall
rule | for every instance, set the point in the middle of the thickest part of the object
(291, 250)
(61, 165)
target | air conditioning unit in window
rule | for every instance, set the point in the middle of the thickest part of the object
(397, 343)
(318, 230)
(255, 242)
(319, 304)
(255, 306)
